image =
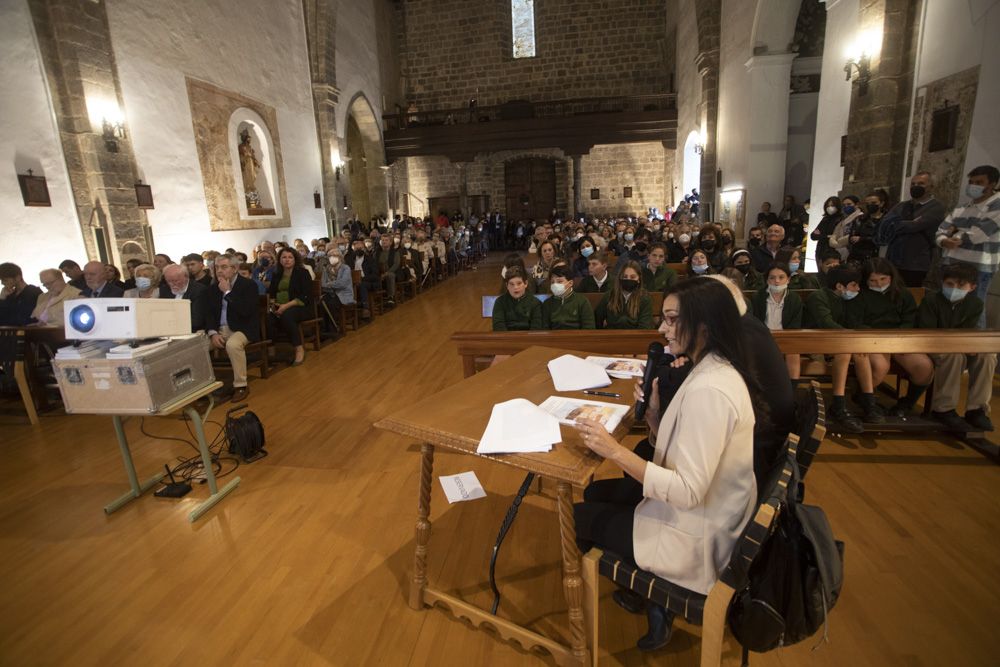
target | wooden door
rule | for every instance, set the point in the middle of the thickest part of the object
(530, 186)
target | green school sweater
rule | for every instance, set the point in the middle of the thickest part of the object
(606, 319)
(936, 312)
(568, 312)
(662, 280)
(521, 315)
(589, 286)
(881, 312)
(825, 309)
(791, 313)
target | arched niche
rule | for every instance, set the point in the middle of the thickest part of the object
(366, 157)
(266, 182)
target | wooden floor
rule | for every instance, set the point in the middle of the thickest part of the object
(307, 561)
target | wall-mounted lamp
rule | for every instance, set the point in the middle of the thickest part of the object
(699, 146)
(104, 113)
(859, 57)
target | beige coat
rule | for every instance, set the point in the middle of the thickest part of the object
(699, 490)
(54, 311)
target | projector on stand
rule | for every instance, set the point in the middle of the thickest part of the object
(126, 319)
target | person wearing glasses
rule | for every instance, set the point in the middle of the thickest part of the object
(49, 306)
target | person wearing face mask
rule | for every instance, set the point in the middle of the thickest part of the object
(889, 305)
(627, 305)
(832, 215)
(841, 237)
(516, 309)
(708, 240)
(971, 233)
(779, 309)
(585, 249)
(359, 259)
(565, 309)
(263, 269)
(679, 247)
(388, 261)
(908, 229)
(752, 278)
(698, 263)
(792, 257)
(335, 279)
(956, 306)
(837, 306)
(147, 283)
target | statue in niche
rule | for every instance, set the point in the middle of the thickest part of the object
(248, 167)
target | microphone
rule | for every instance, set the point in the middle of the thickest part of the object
(653, 356)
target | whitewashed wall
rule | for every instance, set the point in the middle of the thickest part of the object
(253, 47)
(734, 126)
(688, 88)
(35, 238)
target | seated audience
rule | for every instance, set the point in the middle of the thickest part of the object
(597, 280)
(147, 280)
(581, 266)
(516, 309)
(246, 270)
(698, 263)
(888, 304)
(627, 305)
(565, 309)
(798, 280)
(828, 260)
(764, 255)
(48, 309)
(130, 266)
(291, 293)
(235, 316)
(360, 259)
(74, 273)
(95, 274)
(337, 284)
(780, 309)
(388, 265)
(708, 241)
(956, 306)
(114, 276)
(752, 279)
(195, 264)
(656, 276)
(511, 261)
(161, 261)
(179, 285)
(17, 298)
(540, 271)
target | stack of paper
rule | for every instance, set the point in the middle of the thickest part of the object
(571, 373)
(89, 350)
(126, 351)
(568, 410)
(519, 426)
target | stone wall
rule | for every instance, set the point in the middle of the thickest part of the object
(613, 168)
(456, 50)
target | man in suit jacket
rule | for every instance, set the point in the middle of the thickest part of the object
(49, 306)
(181, 286)
(235, 319)
(98, 287)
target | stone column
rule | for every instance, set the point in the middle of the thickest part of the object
(577, 184)
(325, 99)
(767, 111)
(708, 110)
(75, 42)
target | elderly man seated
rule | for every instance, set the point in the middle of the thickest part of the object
(147, 282)
(235, 319)
(49, 307)
(96, 276)
(17, 298)
(181, 286)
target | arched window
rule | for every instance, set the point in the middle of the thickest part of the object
(252, 154)
(522, 14)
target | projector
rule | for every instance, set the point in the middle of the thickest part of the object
(117, 319)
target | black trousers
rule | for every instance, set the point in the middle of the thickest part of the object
(289, 321)
(604, 518)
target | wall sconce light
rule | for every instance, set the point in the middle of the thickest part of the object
(105, 113)
(699, 146)
(112, 133)
(859, 57)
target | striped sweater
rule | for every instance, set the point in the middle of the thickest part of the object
(978, 225)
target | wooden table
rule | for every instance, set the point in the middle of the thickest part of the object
(456, 418)
(34, 336)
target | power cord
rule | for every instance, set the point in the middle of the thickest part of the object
(192, 468)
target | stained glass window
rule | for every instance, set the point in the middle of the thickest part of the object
(523, 17)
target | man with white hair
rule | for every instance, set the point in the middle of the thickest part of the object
(96, 276)
(181, 286)
(49, 307)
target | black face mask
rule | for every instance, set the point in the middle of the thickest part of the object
(630, 285)
(640, 247)
(708, 245)
(872, 208)
(917, 191)
(753, 243)
(743, 268)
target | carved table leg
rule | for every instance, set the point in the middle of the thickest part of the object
(423, 528)
(572, 582)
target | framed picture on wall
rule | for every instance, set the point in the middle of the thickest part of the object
(595, 193)
(143, 195)
(732, 212)
(34, 190)
(627, 192)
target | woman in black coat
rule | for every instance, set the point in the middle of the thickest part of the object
(291, 298)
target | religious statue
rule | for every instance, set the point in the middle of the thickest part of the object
(249, 166)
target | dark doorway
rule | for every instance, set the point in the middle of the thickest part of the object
(530, 188)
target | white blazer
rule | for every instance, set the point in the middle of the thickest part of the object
(699, 489)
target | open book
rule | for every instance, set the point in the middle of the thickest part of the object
(568, 410)
(621, 368)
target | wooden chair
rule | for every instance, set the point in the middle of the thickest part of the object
(13, 348)
(257, 353)
(375, 297)
(314, 324)
(708, 611)
(408, 285)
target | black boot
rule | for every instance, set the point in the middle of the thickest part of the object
(871, 411)
(661, 624)
(904, 406)
(628, 600)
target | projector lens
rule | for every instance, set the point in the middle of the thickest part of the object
(82, 318)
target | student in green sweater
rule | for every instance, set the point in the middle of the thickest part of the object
(657, 276)
(512, 261)
(628, 305)
(779, 309)
(600, 279)
(566, 309)
(837, 306)
(888, 304)
(515, 309)
(798, 280)
(956, 306)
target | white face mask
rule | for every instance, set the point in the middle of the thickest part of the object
(777, 289)
(684, 238)
(880, 290)
(334, 261)
(407, 245)
(847, 295)
(558, 289)
(143, 283)
(830, 210)
(974, 191)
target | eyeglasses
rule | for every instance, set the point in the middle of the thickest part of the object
(671, 320)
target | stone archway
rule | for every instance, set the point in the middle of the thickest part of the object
(691, 174)
(363, 138)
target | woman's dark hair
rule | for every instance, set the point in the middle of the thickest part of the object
(883, 266)
(279, 270)
(835, 201)
(544, 243)
(706, 306)
(781, 266)
(616, 298)
(784, 256)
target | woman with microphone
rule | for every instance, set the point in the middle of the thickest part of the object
(680, 514)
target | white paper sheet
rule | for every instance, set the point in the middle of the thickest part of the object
(463, 486)
(571, 373)
(519, 426)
